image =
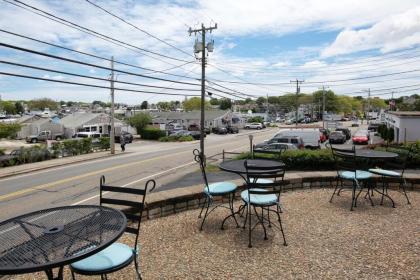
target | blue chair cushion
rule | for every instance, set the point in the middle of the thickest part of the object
(385, 172)
(220, 188)
(112, 256)
(259, 199)
(262, 181)
(360, 175)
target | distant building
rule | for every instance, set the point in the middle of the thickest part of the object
(215, 118)
(406, 125)
(33, 125)
(90, 122)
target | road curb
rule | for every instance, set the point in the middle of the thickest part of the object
(53, 165)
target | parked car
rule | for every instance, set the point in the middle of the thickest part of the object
(194, 134)
(355, 124)
(294, 140)
(220, 130)
(345, 130)
(361, 137)
(44, 136)
(337, 137)
(290, 121)
(15, 154)
(254, 126)
(373, 127)
(85, 134)
(232, 129)
(275, 148)
(311, 136)
(128, 137)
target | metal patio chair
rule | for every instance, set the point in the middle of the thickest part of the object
(212, 190)
(346, 166)
(264, 186)
(118, 255)
(394, 169)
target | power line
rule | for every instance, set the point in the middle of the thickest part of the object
(89, 85)
(104, 58)
(89, 64)
(138, 28)
(91, 32)
(90, 77)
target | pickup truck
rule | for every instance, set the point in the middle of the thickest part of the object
(15, 154)
(44, 136)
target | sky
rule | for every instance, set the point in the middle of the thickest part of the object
(259, 48)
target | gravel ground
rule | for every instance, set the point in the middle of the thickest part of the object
(325, 241)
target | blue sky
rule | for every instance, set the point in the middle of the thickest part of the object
(267, 41)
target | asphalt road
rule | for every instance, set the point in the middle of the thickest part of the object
(78, 183)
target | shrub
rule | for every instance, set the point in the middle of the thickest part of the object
(152, 133)
(104, 143)
(140, 121)
(71, 147)
(2, 151)
(176, 138)
(9, 130)
(300, 159)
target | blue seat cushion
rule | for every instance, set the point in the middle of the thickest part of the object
(385, 172)
(220, 188)
(359, 175)
(259, 199)
(262, 181)
(111, 257)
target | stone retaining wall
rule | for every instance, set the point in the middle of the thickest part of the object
(169, 202)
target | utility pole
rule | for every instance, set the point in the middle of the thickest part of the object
(112, 132)
(323, 106)
(297, 99)
(368, 107)
(266, 105)
(202, 49)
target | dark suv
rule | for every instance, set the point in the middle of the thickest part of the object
(345, 131)
(232, 129)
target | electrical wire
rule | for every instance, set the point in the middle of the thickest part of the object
(90, 85)
(89, 64)
(138, 28)
(90, 31)
(90, 77)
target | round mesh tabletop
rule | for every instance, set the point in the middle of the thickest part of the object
(372, 154)
(238, 166)
(57, 236)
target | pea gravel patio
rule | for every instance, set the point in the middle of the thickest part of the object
(326, 241)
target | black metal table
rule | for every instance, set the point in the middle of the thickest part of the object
(238, 166)
(51, 238)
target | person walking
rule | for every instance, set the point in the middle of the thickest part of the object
(122, 142)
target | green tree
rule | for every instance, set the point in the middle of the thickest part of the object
(8, 107)
(140, 121)
(261, 101)
(214, 101)
(100, 103)
(144, 105)
(19, 107)
(42, 103)
(377, 103)
(9, 130)
(225, 104)
(194, 103)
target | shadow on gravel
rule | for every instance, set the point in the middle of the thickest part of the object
(195, 178)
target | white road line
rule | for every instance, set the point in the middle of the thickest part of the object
(142, 179)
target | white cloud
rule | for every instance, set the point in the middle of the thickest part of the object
(391, 33)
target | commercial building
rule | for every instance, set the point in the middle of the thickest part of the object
(406, 125)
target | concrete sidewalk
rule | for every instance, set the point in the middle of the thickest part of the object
(36, 166)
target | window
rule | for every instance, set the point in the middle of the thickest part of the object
(93, 128)
(294, 141)
(283, 140)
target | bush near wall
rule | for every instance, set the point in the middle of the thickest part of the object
(176, 139)
(152, 133)
(300, 159)
(402, 149)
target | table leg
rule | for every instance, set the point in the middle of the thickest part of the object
(50, 274)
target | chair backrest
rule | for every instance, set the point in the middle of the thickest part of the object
(136, 205)
(255, 172)
(345, 159)
(404, 155)
(200, 159)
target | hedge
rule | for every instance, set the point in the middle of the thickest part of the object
(152, 133)
(174, 138)
(300, 159)
(28, 155)
(402, 149)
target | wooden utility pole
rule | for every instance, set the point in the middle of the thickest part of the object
(203, 31)
(323, 106)
(297, 99)
(112, 132)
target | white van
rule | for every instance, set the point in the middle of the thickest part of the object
(311, 136)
